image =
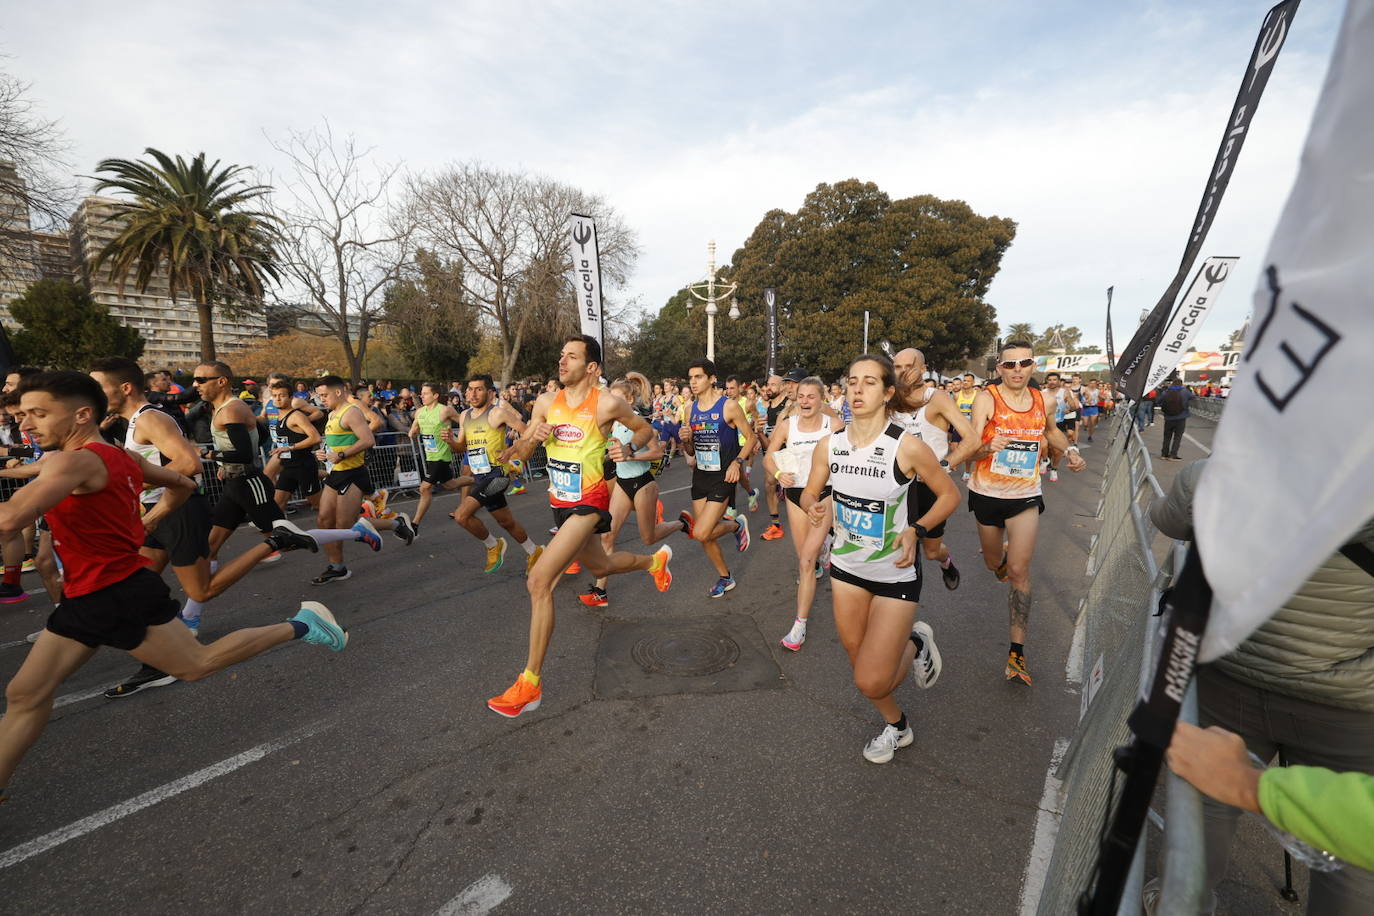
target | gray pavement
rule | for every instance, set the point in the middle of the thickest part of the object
(376, 781)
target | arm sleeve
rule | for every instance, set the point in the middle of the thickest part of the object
(242, 453)
(1329, 810)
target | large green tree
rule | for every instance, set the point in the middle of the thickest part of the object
(436, 330)
(192, 223)
(62, 327)
(920, 266)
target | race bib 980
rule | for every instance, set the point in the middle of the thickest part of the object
(565, 480)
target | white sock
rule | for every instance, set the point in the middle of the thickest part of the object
(490, 542)
(192, 609)
(324, 536)
(214, 567)
(529, 545)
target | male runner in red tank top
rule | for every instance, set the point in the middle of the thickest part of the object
(89, 492)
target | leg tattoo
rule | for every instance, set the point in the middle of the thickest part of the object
(1019, 606)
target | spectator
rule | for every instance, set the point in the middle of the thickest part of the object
(1173, 404)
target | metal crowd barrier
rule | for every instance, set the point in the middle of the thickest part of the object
(1129, 564)
(1207, 408)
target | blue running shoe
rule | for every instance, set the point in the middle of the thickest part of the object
(723, 585)
(324, 629)
(368, 534)
(742, 533)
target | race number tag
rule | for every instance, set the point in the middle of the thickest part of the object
(1019, 459)
(861, 520)
(278, 440)
(708, 457)
(480, 462)
(565, 480)
(430, 443)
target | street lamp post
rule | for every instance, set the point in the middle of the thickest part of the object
(710, 291)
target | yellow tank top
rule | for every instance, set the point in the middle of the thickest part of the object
(964, 401)
(485, 442)
(338, 437)
(576, 450)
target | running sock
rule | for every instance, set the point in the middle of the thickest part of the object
(531, 677)
(1018, 648)
(298, 628)
(214, 567)
(192, 609)
(529, 545)
(900, 724)
(774, 518)
(324, 536)
(13, 574)
(337, 567)
(947, 561)
(490, 542)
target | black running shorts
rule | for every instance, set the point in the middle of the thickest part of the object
(247, 497)
(631, 486)
(490, 503)
(925, 498)
(1067, 424)
(994, 512)
(712, 487)
(562, 513)
(303, 480)
(118, 615)
(437, 472)
(340, 481)
(185, 534)
(794, 494)
(902, 591)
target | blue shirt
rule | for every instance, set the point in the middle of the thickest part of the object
(1164, 401)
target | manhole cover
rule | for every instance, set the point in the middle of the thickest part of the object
(686, 653)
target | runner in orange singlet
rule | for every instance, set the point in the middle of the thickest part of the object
(573, 425)
(1004, 492)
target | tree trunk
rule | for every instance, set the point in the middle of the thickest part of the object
(207, 329)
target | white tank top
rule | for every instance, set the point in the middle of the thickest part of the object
(145, 450)
(923, 429)
(870, 496)
(801, 444)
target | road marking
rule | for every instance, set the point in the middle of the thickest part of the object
(1204, 448)
(15, 644)
(479, 898)
(42, 844)
(1046, 829)
(1073, 668)
(674, 490)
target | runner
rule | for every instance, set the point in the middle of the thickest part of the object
(708, 438)
(572, 424)
(432, 419)
(935, 419)
(875, 576)
(635, 486)
(1065, 420)
(482, 441)
(1091, 397)
(735, 392)
(775, 401)
(13, 545)
(1004, 494)
(788, 465)
(964, 399)
(291, 462)
(347, 440)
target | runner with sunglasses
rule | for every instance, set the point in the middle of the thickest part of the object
(1009, 420)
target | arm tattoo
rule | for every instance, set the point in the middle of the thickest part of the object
(1019, 604)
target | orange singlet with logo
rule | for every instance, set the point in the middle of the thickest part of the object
(576, 451)
(1013, 472)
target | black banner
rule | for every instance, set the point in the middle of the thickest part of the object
(1111, 350)
(1134, 365)
(770, 301)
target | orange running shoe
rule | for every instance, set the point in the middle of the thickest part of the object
(658, 511)
(663, 577)
(574, 569)
(772, 532)
(521, 697)
(1016, 668)
(595, 597)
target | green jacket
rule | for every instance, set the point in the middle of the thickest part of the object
(1328, 810)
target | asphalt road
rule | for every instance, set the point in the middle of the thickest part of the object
(376, 780)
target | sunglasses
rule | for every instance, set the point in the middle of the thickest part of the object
(1018, 363)
(202, 379)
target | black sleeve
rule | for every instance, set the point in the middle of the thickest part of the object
(242, 452)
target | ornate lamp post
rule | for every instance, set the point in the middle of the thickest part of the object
(710, 291)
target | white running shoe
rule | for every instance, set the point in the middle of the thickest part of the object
(882, 748)
(795, 636)
(926, 666)
(1054, 475)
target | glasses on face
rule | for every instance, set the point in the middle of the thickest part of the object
(1018, 363)
(202, 379)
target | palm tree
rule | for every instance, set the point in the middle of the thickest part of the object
(1022, 330)
(189, 221)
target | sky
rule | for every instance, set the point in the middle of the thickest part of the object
(1092, 125)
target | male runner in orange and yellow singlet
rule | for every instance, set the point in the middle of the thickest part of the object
(573, 424)
(1004, 495)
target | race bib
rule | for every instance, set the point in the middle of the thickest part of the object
(429, 443)
(1019, 459)
(565, 480)
(278, 440)
(861, 520)
(479, 461)
(708, 457)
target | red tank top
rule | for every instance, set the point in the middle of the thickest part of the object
(98, 534)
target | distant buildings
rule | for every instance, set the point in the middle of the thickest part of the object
(171, 330)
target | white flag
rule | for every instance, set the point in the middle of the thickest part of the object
(1187, 319)
(586, 274)
(1292, 474)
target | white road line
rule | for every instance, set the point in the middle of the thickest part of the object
(42, 844)
(479, 898)
(1204, 448)
(1046, 829)
(674, 490)
(78, 697)
(1073, 668)
(15, 644)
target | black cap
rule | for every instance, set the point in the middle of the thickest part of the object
(796, 374)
